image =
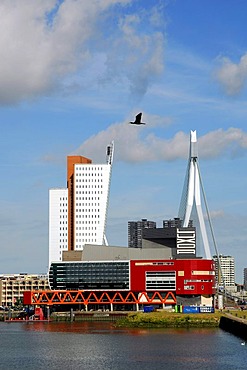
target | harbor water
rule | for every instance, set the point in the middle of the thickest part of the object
(99, 345)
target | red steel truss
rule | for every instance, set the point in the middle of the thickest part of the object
(55, 297)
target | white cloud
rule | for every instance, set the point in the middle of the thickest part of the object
(215, 214)
(44, 43)
(232, 141)
(233, 76)
(138, 144)
(134, 55)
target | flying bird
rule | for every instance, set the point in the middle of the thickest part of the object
(138, 120)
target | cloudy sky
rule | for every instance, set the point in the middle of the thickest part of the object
(74, 72)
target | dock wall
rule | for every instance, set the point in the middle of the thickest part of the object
(234, 325)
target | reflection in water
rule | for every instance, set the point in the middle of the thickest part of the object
(104, 327)
(98, 345)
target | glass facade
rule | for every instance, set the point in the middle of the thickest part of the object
(89, 275)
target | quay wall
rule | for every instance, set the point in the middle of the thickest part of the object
(234, 325)
(87, 316)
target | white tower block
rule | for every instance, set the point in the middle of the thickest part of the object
(193, 194)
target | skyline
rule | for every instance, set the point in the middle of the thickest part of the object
(74, 73)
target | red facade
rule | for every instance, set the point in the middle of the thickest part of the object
(187, 277)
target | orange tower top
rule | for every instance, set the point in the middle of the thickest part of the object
(71, 161)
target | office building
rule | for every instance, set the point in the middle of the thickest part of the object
(78, 213)
(225, 271)
(135, 232)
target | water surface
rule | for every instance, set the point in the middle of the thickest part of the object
(98, 345)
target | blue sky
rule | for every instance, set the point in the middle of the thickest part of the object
(73, 73)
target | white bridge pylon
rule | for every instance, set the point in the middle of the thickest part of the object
(192, 194)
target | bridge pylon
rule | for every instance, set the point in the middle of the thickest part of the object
(191, 196)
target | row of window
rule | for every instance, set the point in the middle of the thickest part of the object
(87, 204)
(197, 281)
(85, 241)
(161, 280)
(89, 186)
(85, 228)
(86, 234)
(87, 222)
(90, 275)
(87, 198)
(90, 168)
(87, 210)
(88, 192)
(89, 180)
(87, 216)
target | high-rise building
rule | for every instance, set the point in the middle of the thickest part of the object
(245, 278)
(176, 222)
(225, 270)
(78, 213)
(135, 229)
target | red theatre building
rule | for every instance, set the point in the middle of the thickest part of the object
(165, 271)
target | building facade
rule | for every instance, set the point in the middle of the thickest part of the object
(78, 213)
(225, 271)
(12, 287)
(58, 223)
(189, 280)
(135, 232)
(245, 278)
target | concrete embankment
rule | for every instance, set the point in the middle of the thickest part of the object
(88, 316)
(234, 325)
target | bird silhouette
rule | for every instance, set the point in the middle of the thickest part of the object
(138, 120)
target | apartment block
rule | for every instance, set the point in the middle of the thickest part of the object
(135, 232)
(12, 287)
(225, 270)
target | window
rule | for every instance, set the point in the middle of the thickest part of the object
(189, 287)
(160, 280)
